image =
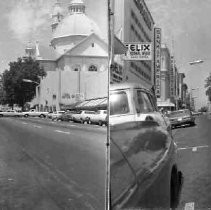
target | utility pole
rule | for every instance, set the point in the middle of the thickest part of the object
(110, 65)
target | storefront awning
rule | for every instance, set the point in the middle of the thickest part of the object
(93, 103)
(119, 47)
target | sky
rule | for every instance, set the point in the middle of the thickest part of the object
(186, 29)
(24, 21)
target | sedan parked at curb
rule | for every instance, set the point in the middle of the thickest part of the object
(11, 113)
(181, 117)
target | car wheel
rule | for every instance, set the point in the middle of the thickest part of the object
(26, 115)
(1, 115)
(176, 181)
(42, 116)
(100, 123)
(192, 124)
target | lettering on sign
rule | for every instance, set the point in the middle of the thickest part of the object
(157, 59)
(138, 51)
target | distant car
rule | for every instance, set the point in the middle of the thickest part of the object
(56, 114)
(67, 116)
(99, 117)
(82, 116)
(35, 113)
(194, 113)
(144, 173)
(11, 113)
(181, 117)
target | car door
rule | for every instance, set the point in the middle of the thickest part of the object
(122, 176)
(144, 144)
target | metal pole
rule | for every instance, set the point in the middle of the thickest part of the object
(110, 63)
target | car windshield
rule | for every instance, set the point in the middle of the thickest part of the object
(119, 103)
(179, 113)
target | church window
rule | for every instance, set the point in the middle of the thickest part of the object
(76, 68)
(92, 68)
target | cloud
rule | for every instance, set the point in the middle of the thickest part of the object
(26, 17)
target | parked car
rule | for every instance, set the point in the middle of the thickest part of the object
(181, 117)
(67, 116)
(56, 114)
(11, 113)
(99, 117)
(82, 116)
(35, 113)
(144, 173)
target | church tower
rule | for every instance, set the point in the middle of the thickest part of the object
(30, 50)
(57, 15)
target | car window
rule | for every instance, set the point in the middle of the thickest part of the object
(143, 104)
(119, 103)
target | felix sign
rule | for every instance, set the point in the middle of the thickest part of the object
(139, 51)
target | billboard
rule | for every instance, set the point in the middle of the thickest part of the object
(157, 60)
(138, 51)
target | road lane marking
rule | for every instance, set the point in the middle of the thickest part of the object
(189, 206)
(59, 131)
(37, 126)
(24, 123)
(194, 149)
(73, 125)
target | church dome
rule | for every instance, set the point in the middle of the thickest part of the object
(76, 22)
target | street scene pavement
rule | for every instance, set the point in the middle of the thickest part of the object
(50, 166)
(194, 150)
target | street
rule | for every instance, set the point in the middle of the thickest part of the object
(194, 149)
(49, 165)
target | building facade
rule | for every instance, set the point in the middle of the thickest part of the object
(134, 23)
(167, 80)
(76, 62)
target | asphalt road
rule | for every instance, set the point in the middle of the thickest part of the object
(194, 150)
(47, 165)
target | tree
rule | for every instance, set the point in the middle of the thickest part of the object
(208, 86)
(16, 90)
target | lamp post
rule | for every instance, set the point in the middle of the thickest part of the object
(192, 63)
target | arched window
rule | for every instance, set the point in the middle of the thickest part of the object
(92, 68)
(76, 68)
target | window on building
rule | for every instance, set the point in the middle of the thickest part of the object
(92, 68)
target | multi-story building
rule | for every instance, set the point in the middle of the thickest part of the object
(181, 77)
(134, 23)
(166, 79)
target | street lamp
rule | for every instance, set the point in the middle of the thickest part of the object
(30, 81)
(196, 62)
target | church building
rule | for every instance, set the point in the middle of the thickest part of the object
(76, 62)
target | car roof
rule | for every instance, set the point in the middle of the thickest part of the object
(127, 85)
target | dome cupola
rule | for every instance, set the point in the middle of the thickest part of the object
(76, 6)
(74, 27)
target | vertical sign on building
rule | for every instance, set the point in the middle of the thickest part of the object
(157, 59)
